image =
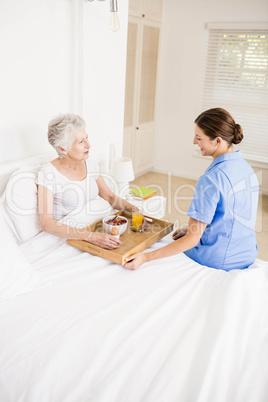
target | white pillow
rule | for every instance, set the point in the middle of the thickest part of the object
(17, 276)
(20, 204)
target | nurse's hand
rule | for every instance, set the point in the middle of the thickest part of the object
(103, 240)
(179, 233)
(135, 261)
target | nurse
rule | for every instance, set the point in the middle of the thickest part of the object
(222, 215)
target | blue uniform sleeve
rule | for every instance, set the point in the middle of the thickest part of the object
(205, 201)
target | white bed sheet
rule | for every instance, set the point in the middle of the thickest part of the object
(169, 331)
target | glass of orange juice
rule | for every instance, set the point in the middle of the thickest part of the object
(137, 219)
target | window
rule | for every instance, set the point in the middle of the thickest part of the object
(236, 79)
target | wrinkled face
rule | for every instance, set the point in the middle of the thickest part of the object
(80, 146)
(207, 146)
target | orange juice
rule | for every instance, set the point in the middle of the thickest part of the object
(137, 219)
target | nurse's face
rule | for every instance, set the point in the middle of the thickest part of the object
(207, 146)
(80, 146)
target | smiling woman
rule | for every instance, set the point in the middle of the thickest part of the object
(216, 131)
(71, 180)
(222, 215)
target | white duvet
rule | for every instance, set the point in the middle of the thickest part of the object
(171, 331)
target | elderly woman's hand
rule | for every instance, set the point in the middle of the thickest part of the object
(103, 240)
(144, 222)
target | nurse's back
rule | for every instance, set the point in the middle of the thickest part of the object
(239, 190)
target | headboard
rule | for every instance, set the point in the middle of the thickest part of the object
(6, 169)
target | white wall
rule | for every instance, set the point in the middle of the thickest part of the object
(182, 63)
(60, 56)
(104, 77)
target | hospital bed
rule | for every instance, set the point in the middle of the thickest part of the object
(77, 328)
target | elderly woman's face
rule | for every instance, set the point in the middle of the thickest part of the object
(80, 146)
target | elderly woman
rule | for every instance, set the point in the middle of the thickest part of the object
(71, 180)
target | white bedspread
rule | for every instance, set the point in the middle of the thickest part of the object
(169, 331)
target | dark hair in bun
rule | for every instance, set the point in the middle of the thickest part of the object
(218, 122)
(238, 134)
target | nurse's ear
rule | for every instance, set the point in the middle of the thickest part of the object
(218, 141)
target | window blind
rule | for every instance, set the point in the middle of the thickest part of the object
(236, 79)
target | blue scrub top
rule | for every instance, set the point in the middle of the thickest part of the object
(226, 198)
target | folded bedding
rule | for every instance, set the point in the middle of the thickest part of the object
(172, 330)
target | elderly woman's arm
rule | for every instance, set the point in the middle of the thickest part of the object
(114, 200)
(50, 225)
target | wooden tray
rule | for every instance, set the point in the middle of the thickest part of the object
(132, 242)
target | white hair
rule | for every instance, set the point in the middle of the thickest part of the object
(62, 129)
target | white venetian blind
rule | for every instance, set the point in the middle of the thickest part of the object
(236, 79)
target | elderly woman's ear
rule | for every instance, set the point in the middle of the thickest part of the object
(62, 150)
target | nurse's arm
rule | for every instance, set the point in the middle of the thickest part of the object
(190, 240)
